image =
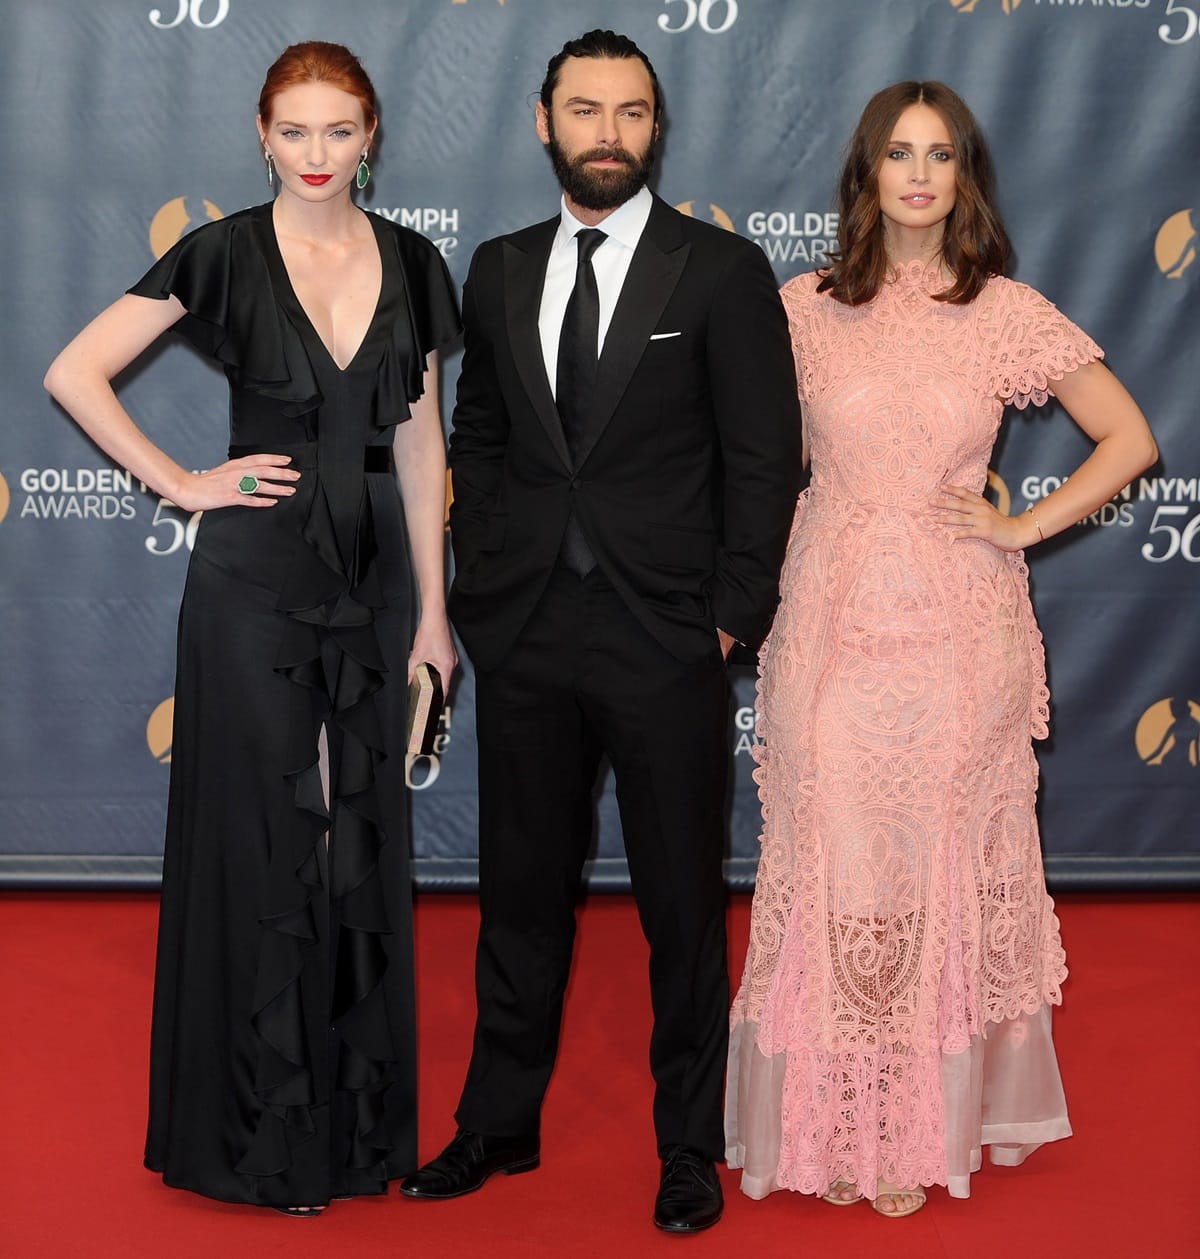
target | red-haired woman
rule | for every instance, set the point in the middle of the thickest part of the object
(282, 1053)
(894, 1015)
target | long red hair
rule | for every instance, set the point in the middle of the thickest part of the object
(318, 62)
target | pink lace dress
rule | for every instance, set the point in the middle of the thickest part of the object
(894, 1014)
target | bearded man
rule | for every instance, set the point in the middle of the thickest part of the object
(626, 457)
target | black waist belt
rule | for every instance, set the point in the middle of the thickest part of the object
(375, 458)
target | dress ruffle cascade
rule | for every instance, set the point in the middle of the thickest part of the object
(331, 653)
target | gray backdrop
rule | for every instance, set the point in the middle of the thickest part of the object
(124, 123)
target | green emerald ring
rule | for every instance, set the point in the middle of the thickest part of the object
(248, 485)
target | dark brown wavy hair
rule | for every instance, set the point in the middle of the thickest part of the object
(975, 245)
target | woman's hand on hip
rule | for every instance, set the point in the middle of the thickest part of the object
(965, 514)
(250, 481)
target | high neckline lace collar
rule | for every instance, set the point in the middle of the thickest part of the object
(918, 274)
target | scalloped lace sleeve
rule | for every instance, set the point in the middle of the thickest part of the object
(798, 295)
(1033, 344)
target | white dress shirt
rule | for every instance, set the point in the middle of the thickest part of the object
(623, 227)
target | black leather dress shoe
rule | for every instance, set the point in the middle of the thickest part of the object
(468, 1161)
(689, 1193)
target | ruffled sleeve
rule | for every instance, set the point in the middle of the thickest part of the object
(220, 276)
(433, 304)
(1034, 344)
(422, 317)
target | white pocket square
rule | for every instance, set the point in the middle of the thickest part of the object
(663, 336)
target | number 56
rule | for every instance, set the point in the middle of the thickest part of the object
(1179, 543)
(1190, 22)
(699, 11)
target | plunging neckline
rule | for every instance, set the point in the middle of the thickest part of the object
(366, 336)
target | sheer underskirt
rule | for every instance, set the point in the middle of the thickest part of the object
(1003, 1091)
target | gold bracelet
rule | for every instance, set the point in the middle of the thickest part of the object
(1029, 513)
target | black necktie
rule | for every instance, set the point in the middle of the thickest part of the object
(576, 375)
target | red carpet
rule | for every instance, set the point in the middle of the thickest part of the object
(77, 974)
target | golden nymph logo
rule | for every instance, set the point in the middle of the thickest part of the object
(158, 730)
(1169, 733)
(998, 492)
(1175, 245)
(715, 213)
(968, 6)
(5, 497)
(174, 218)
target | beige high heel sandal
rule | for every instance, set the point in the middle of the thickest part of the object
(835, 1200)
(885, 1190)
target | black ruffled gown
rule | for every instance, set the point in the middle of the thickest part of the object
(283, 1053)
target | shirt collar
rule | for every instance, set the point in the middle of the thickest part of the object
(625, 224)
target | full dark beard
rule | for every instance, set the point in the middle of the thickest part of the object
(600, 189)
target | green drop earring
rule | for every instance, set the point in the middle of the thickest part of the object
(363, 173)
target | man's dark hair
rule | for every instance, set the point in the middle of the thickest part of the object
(600, 44)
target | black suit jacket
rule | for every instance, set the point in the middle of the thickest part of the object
(687, 475)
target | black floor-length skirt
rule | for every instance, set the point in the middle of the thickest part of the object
(282, 1064)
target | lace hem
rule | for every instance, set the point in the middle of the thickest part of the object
(800, 1121)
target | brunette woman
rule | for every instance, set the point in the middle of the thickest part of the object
(282, 1054)
(894, 1015)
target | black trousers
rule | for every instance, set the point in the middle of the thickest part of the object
(586, 679)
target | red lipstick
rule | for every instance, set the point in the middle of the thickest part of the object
(316, 181)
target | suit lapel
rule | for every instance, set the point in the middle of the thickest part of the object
(525, 259)
(654, 271)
